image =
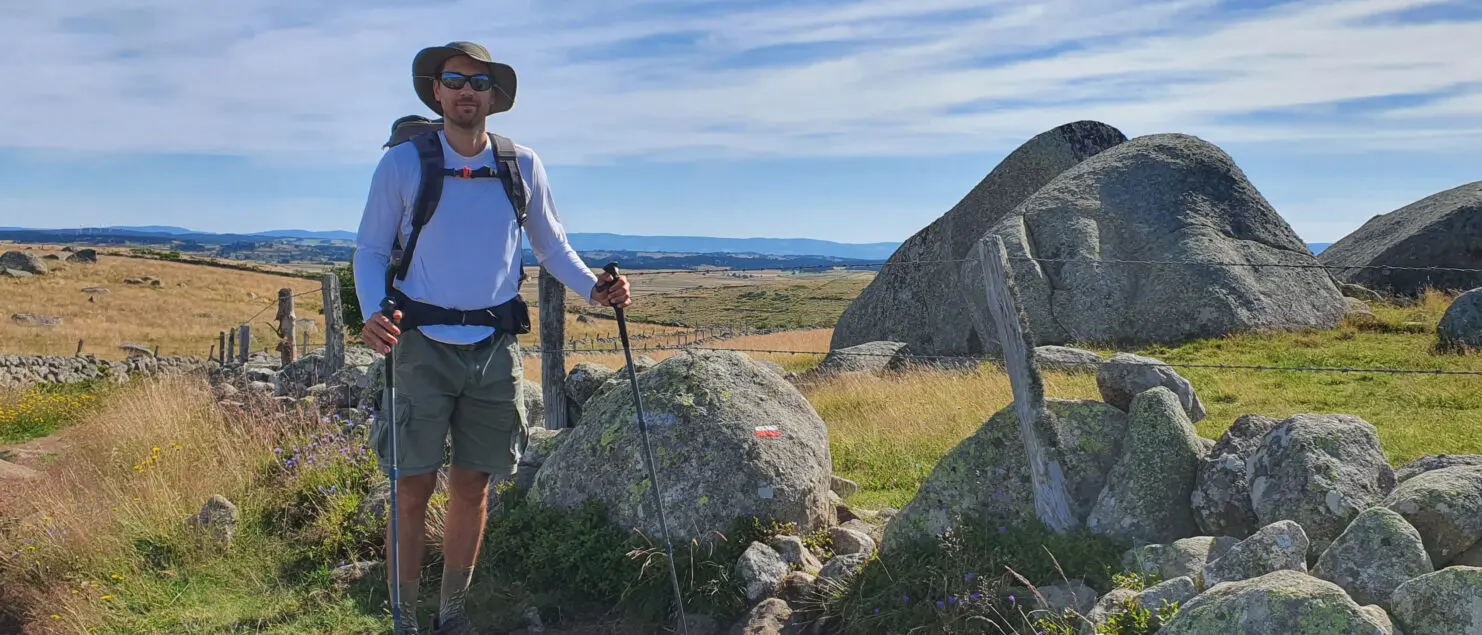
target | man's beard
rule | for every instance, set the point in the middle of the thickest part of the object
(456, 116)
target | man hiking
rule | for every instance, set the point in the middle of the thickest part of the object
(457, 366)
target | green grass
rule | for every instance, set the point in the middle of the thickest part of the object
(42, 410)
(782, 305)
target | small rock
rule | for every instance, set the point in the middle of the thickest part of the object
(28, 319)
(841, 568)
(1377, 553)
(1358, 292)
(355, 571)
(1171, 592)
(1126, 375)
(795, 554)
(1378, 616)
(1114, 602)
(219, 517)
(533, 623)
(766, 618)
(1185, 557)
(843, 486)
(848, 541)
(6, 272)
(84, 256)
(1060, 597)
(797, 589)
(1066, 359)
(870, 357)
(1282, 545)
(1446, 602)
(761, 569)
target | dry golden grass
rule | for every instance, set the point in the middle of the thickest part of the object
(135, 469)
(182, 317)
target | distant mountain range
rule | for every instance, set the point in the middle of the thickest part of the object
(165, 234)
(581, 242)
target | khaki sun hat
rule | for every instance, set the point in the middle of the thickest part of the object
(425, 66)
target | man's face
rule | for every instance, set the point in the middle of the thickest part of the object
(463, 106)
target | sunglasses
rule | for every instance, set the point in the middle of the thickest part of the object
(455, 81)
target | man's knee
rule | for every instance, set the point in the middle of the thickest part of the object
(413, 492)
(468, 487)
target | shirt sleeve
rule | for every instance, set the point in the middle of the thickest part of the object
(548, 237)
(379, 224)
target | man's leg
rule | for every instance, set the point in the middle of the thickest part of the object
(412, 494)
(428, 378)
(463, 530)
(488, 432)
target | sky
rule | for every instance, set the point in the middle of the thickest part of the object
(845, 120)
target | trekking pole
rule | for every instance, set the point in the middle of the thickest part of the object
(648, 455)
(388, 308)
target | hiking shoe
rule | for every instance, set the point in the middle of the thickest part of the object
(457, 625)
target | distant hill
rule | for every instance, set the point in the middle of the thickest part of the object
(164, 235)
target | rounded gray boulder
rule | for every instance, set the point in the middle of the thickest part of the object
(922, 304)
(1440, 230)
(1461, 325)
(729, 439)
(1278, 602)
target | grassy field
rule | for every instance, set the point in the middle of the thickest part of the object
(101, 544)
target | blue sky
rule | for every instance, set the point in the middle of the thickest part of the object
(854, 121)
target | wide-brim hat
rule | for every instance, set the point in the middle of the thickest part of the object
(425, 67)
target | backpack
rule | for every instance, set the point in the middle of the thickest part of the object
(422, 133)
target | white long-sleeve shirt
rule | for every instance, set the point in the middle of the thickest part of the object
(467, 255)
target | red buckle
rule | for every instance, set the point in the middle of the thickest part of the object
(466, 173)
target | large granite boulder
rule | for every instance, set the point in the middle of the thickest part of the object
(1374, 556)
(23, 261)
(1165, 197)
(1278, 602)
(1440, 230)
(1320, 471)
(985, 478)
(1146, 498)
(1221, 498)
(1445, 506)
(921, 304)
(1461, 325)
(729, 439)
(1278, 546)
(1447, 602)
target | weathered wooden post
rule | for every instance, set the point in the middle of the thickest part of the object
(230, 352)
(244, 342)
(221, 349)
(79, 348)
(211, 355)
(552, 357)
(334, 327)
(1052, 501)
(285, 326)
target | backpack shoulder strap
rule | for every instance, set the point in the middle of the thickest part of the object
(508, 164)
(509, 171)
(429, 191)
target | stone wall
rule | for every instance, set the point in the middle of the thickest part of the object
(27, 370)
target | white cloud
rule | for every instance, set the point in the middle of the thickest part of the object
(321, 82)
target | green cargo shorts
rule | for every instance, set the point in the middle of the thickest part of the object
(465, 397)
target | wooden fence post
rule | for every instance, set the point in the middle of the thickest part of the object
(244, 341)
(230, 352)
(552, 358)
(334, 326)
(79, 348)
(221, 348)
(286, 327)
(1052, 501)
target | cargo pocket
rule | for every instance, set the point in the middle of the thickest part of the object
(380, 432)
